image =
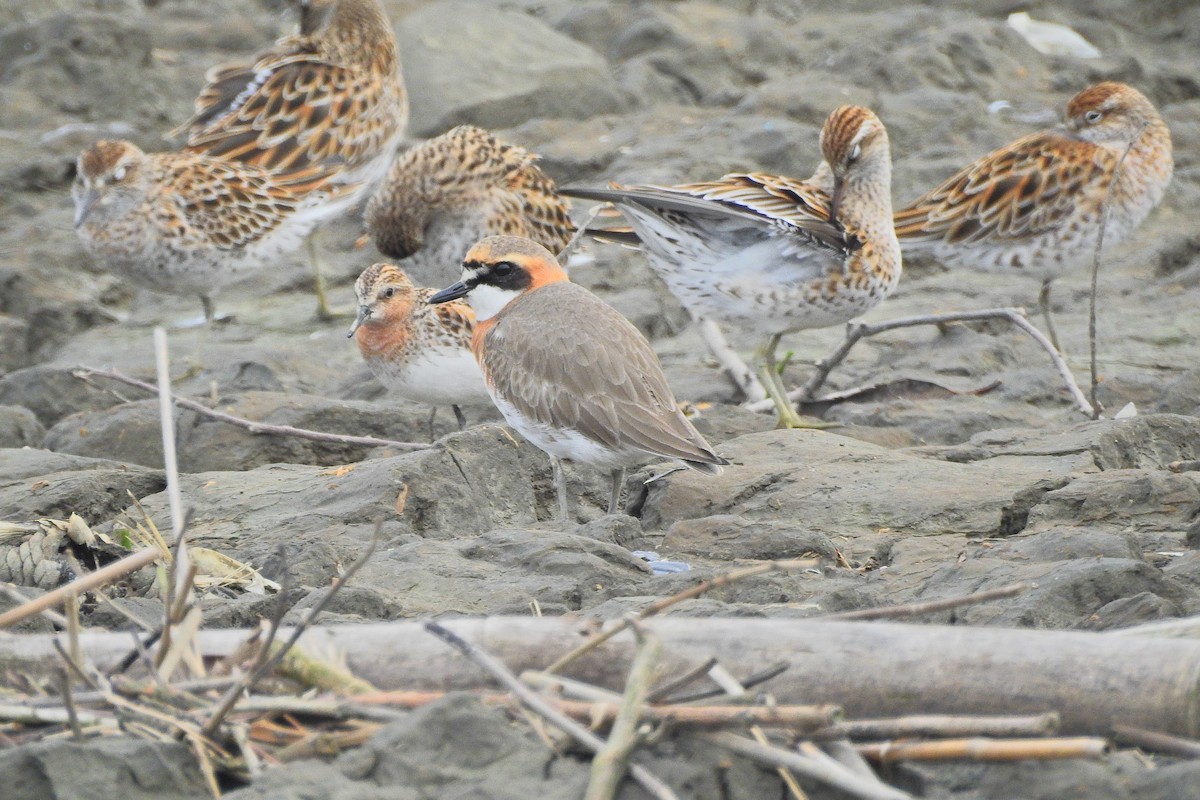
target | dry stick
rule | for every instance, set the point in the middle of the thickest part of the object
(749, 682)
(600, 710)
(11, 591)
(857, 331)
(55, 715)
(84, 372)
(730, 685)
(731, 363)
(100, 577)
(265, 663)
(580, 231)
(944, 725)
(1158, 742)
(977, 749)
(686, 679)
(1184, 466)
(687, 594)
(930, 606)
(611, 762)
(64, 685)
(823, 771)
(541, 706)
(1105, 211)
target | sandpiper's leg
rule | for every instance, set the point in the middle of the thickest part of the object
(560, 486)
(1044, 305)
(461, 417)
(324, 312)
(210, 311)
(432, 416)
(614, 499)
(773, 381)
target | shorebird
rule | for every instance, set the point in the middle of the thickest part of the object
(330, 95)
(1036, 205)
(420, 351)
(566, 370)
(444, 195)
(187, 224)
(772, 254)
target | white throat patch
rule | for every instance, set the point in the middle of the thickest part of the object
(487, 300)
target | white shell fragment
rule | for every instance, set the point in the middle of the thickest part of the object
(1051, 38)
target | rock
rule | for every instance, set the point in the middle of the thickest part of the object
(53, 392)
(107, 768)
(130, 431)
(37, 483)
(14, 352)
(727, 537)
(1128, 611)
(1167, 782)
(19, 427)
(496, 71)
(832, 483)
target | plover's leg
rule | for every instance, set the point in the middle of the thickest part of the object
(731, 363)
(614, 499)
(210, 311)
(1044, 305)
(461, 417)
(560, 486)
(432, 416)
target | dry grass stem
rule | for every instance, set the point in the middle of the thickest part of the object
(84, 583)
(84, 372)
(945, 725)
(610, 762)
(979, 749)
(1156, 741)
(1105, 211)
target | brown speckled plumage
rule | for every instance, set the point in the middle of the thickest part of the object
(442, 196)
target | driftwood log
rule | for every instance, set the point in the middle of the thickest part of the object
(871, 669)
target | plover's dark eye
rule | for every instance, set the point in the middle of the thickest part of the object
(389, 291)
(503, 268)
(1093, 117)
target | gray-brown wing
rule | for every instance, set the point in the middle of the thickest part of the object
(596, 374)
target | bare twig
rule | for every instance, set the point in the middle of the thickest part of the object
(944, 725)
(855, 332)
(931, 606)
(687, 594)
(577, 237)
(64, 686)
(1184, 466)
(54, 715)
(100, 577)
(254, 427)
(1156, 741)
(11, 591)
(1105, 212)
(749, 682)
(538, 704)
(611, 761)
(977, 749)
(664, 691)
(818, 770)
(731, 363)
(733, 688)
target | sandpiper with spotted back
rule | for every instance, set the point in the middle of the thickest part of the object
(442, 196)
(186, 223)
(422, 352)
(1035, 206)
(566, 370)
(330, 95)
(772, 254)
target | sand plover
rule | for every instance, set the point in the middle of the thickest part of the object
(330, 95)
(444, 195)
(187, 224)
(420, 351)
(566, 370)
(1035, 206)
(772, 254)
